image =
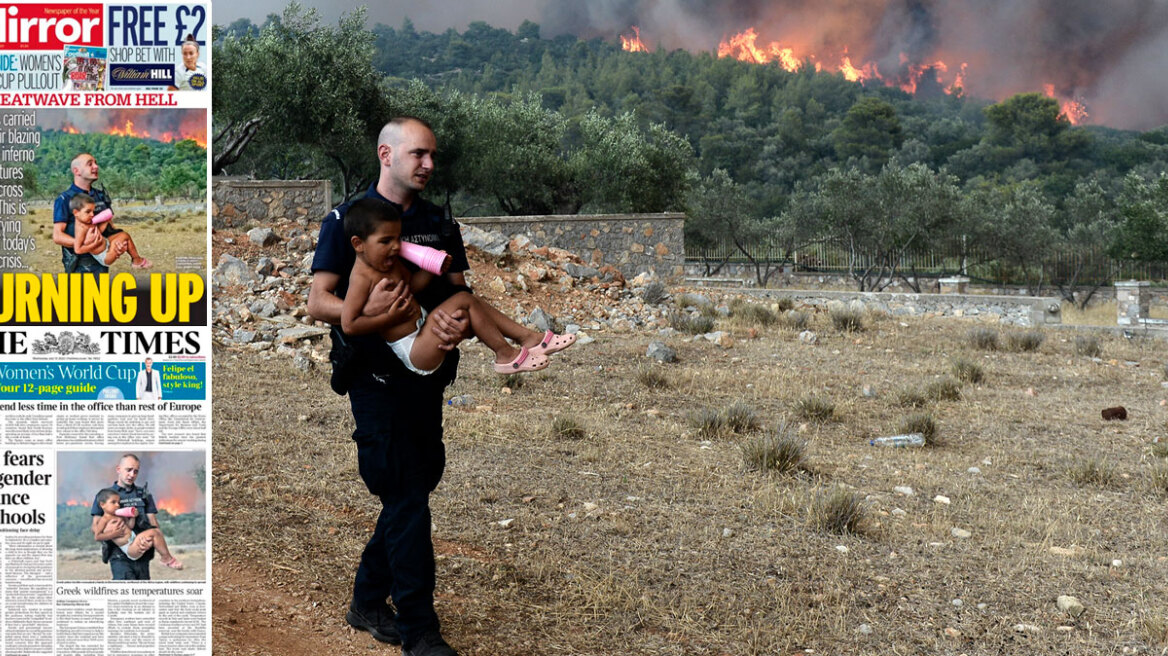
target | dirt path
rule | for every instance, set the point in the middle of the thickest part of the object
(253, 617)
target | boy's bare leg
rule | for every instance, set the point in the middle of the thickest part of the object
(168, 558)
(141, 544)
(114, 249)
(427, 354)
(509, 327)
(136, 260)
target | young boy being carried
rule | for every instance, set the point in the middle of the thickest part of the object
(90, 237)
(133, 544)
(374, 228)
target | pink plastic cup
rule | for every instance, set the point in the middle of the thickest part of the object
(428, 259)
(128, 511)
(103, 216)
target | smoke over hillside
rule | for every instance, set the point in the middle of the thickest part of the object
(1109, 56)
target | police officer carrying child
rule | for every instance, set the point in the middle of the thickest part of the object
(398, 414)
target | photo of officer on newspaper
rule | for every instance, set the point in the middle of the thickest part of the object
(112, 191)
(131, 516)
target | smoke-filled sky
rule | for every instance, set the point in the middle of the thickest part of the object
(1112, 55)
(168, 475)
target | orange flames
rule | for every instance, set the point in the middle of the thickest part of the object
(199, 136)
(745, 46)
(175, 505)
(1073, 110)
(633, 43)
(121, 124)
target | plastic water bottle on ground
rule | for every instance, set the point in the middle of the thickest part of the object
(910, 439)
(461, 399)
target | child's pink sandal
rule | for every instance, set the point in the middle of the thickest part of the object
(553, 343)
(173, 563)
(525, 361)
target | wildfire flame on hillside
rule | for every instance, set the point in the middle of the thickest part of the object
(745, 46)
(1073, 110)
(166, 127)
(633, 43)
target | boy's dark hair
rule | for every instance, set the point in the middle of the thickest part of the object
(105, 495)
(366, 214)
(80, 200)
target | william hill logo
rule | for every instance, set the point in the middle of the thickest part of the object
(141, 74)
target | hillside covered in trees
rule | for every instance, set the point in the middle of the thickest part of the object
(131, 167)
(765, 161)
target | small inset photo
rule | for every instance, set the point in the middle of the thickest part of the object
(131, 516)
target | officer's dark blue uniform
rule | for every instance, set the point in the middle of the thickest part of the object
(398, 416)
(122, 568)
(86, 262)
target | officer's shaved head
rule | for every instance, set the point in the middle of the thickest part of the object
(81, 160)
(391, 133)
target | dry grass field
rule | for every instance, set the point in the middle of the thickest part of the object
(605, 506)
(163, 237)
(74, 565)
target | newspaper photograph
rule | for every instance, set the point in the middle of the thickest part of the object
(104, 338)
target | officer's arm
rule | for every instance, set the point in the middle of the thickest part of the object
(153, 519)
(60, 237)
(106, 529)
(323, 304)
(326, 306)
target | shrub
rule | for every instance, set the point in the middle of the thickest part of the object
(1088, 345)
(683, 301)
(814, 408)
(514, 381)
(709, 423)
(912, 398)
(846, 318)
(921, 422)
(945, 389)
(752, 312)
(652, 378)
(967, 371)
(839, 512)
(567, 428)
(741, 418)
(1025, 342)
(691, 325)
(796, 320)
(982, 338)
(1159, 478)
(1093, 471)
(655, 293)
(779, 451)
(785, 304)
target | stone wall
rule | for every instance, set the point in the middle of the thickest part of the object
(236, 203)
(736, 274)
(1013, 310)
(633, 243)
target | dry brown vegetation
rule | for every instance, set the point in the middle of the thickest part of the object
(633, 535)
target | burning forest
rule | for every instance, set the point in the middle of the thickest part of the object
(165, 126)
(1102, 62)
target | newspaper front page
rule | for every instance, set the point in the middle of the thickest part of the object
(104, 335)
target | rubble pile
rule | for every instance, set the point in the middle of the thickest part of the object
(262, 277)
